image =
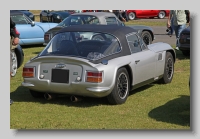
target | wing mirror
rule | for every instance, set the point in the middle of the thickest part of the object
(32, 23)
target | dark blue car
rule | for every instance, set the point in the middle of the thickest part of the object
(53, 16)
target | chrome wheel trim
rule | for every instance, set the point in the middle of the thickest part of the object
(14, 64)
(169, 68)
(131, 16)
(161, 14)
(122, 85)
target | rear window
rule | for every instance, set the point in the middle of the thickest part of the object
(79, 20)
(87, 45)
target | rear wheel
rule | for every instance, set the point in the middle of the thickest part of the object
(36, 94)
(120, 91)
(14, 63)
(146, 36)
(131, 16)
(169, 69)
(161, 14)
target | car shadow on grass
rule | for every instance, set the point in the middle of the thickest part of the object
(176, 111)
(22, 94)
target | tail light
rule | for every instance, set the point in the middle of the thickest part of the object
(28, 72)
(47, 37)
(93, 76)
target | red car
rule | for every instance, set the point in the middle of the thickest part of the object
(133, 14)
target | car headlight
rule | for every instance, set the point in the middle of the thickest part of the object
(30, 15)
(58, 16)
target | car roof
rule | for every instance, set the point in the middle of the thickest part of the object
(15, 12)
(111, 29)
(119, 31)
(98, 14)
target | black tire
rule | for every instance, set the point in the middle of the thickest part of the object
(161, 14)
(98, 37)
(14, 64)
(41, 18)
(147, 38)
(131, 16)
(36, 94)
(120, 91)
(169, 69)
(186, 53)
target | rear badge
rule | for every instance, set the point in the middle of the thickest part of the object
(75, 73)
(45, 71)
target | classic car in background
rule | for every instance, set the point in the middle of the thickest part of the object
(54, 16)
(97, 61)
(184, 41)
(104, 18)
(17, 59)
(133, 14)
(30, 32)
(27, 13)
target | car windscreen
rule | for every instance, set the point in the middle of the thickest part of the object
(20, 19)
(79, 20)
(87, 45)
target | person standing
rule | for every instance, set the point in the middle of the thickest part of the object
(179, 23)
(14, 41)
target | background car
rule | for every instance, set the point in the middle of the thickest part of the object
(17, 59)
(54, 16)
(27, 13)
(184, 41)
(99, 18)
(133, 14)
(30, 32)
(97, 61)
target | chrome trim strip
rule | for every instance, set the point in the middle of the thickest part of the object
(98, 89)
(27, 84)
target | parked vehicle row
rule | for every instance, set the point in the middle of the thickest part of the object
(98, 18)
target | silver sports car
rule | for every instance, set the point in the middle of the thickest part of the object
(97, 61)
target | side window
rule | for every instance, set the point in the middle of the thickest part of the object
(142, 44)
(111, 21)
(133, 43)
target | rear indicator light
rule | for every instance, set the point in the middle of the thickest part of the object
(28, 72)
(47, 37)
(95, 77)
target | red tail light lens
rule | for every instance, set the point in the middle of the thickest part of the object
(47, 37)
(95, 77)
(28, 72)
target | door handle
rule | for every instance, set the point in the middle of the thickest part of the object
(137, 61)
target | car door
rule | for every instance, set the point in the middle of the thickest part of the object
(148, 13)
(143, 63)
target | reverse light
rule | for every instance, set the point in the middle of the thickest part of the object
(28, 72)
(93, 76)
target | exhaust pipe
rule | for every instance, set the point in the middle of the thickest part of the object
(75, 98)
(48, 96)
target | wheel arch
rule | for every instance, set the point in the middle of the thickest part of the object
(173, 54)
(152, 35)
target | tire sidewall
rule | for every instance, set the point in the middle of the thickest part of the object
(114, 95)
(131, 17)
(144, 34)
(168, 57)
(161, 13)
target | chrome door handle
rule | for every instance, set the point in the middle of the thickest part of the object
(137, 61)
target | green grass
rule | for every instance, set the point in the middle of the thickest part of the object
(154, 106)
